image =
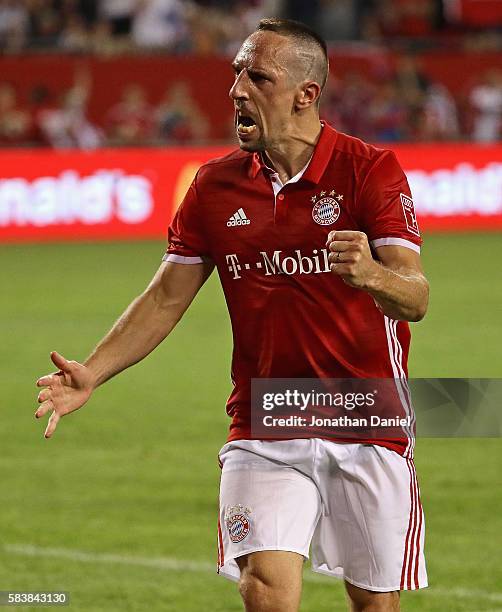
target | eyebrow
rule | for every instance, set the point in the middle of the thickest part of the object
(253, 70)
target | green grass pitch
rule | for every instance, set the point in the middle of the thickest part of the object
(120, 507)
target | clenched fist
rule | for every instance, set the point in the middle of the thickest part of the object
(350, 258)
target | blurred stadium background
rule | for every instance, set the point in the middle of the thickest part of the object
(107, 108)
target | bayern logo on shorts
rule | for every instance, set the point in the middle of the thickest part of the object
(326, 211)
(238, 527)
(238, 523)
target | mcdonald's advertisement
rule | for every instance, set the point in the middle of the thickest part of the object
(134, 193)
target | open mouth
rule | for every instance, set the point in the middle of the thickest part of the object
(245, 124)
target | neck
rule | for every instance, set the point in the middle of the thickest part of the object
(290, 155)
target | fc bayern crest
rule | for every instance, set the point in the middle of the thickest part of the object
(326, 211)
(238, 523)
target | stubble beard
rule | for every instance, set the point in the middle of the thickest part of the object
(253, 147)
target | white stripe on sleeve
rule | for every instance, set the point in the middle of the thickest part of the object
(397, 242)
(171, 257)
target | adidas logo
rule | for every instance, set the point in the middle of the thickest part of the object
(238, 218)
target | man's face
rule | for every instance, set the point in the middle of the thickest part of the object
(264, 90)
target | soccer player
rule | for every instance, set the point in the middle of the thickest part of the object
(316, 244)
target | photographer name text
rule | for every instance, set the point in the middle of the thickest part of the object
(343, 421)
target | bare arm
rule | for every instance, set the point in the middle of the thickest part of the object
(142, 327)
(148, 319)
(396, 281)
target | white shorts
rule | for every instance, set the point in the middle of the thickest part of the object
(355, 506)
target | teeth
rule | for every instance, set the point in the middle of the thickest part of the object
(246, 129)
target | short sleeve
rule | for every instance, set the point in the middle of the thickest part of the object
(386, 207)
(187, 240)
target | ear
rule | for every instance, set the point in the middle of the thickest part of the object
(308, 93)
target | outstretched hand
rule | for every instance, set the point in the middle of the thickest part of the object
(64, 391)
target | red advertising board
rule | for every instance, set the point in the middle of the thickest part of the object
(132, 194)
(108, 194)
(478, 13)
(455, 186)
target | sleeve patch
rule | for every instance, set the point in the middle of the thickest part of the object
(409, 214)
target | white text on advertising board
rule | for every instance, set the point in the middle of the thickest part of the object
(69, 198)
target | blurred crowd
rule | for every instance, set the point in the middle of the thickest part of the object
(133, 121)
(399, 105)
(405, 107)
(410, 107)
(215, 26)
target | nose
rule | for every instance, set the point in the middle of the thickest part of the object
(238, 90)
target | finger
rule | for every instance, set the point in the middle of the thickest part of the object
(340, 245)
(346, 235)
(52, 424)
(340, 257)
(60, 362)
(44, 408)
(49, 380)
(45, 394)
(342, 269)
(336, 235)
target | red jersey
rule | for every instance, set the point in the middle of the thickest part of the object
(291, 316)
